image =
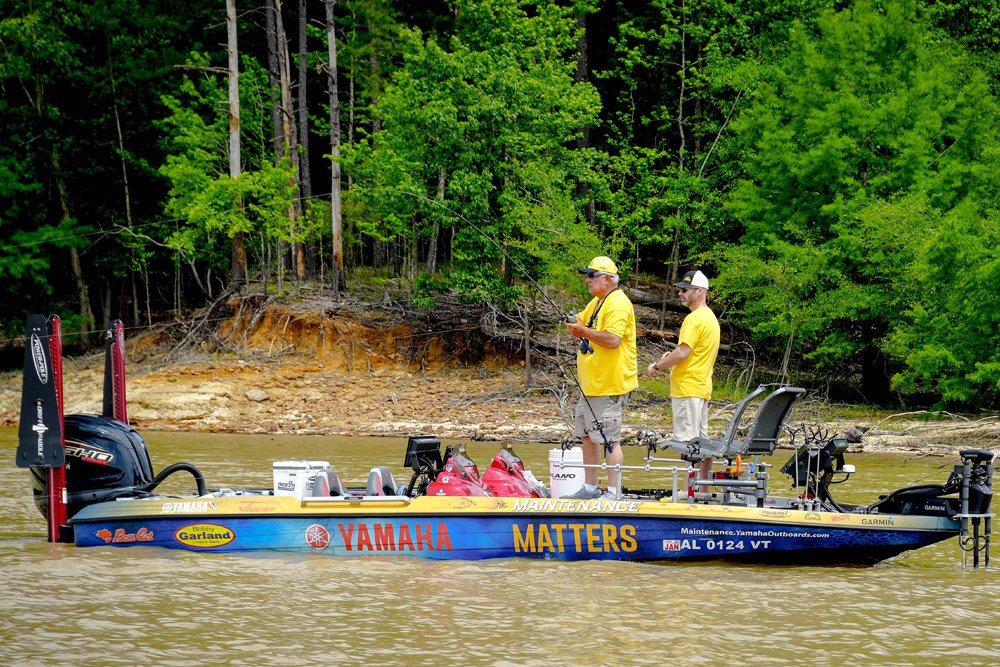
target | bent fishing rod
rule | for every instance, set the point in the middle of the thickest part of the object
(585, 346)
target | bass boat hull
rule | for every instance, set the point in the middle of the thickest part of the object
(469, 528)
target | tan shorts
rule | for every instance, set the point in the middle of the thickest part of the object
(608, 409)
(690, 417)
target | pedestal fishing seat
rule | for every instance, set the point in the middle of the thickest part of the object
(327, 483)
(381, 482)
(761, 438)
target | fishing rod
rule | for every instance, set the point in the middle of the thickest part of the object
(585, 346)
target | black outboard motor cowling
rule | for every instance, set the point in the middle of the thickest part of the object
(105, 459)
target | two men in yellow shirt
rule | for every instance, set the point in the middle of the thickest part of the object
(607, 368)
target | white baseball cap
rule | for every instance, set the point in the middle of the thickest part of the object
(693, 279)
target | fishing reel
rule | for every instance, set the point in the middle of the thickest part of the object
(585, 347)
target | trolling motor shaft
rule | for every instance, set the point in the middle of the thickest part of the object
(976, 495)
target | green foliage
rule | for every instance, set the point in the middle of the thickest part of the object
(204, 201)
(835, 165)
(482, 285)
(474, 136)
(859, 145)
(682, 71)
(949, 337)
(429, 286)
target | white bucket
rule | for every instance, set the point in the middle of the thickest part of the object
(568, 478)
(295, 478)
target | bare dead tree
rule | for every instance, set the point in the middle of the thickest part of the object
(238, 266)
(305, 175)
(336, 222)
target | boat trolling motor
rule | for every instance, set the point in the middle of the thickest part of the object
(975, 474)
(78, 460)
(965, 497)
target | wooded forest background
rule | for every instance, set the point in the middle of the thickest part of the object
(833, 166)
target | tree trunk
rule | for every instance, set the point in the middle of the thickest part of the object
(83, 293)
(787, 356)
(680, 94)
(125, 185)
(305, 175)
(583, 139)
(273, 76)
(432, 247)
(290, 143)
(106, 301)
(238, 263)
(376, 121)
(149, 311)
(526, 323)
(178, 291)
(135, 298)
(274, 86)
(672, 272)
(336, 217)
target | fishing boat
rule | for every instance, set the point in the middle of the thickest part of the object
(93, 479)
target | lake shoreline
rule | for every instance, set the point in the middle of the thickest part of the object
(296, 394)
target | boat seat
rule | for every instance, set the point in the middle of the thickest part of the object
(381, 482)
(327, 483)
(761, 438)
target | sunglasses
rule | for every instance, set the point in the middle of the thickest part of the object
(595, 274)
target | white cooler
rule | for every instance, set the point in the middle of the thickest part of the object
(295, 478)
(567, 479)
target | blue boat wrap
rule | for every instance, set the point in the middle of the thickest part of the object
(643, 531)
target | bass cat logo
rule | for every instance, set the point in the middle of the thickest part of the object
(38, 359)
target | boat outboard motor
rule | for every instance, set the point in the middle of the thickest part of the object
(105, 459)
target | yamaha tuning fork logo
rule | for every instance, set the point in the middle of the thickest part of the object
(38, 359)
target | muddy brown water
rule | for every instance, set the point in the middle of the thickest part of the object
(60, 605)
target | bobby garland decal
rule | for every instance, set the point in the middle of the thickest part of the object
(204, 535)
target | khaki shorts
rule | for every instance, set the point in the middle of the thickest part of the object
(608, 409)
(690, 418)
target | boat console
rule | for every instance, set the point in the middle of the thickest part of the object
(423, 456)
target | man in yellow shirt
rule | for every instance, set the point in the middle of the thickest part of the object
(692, 363)
(608, 372)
